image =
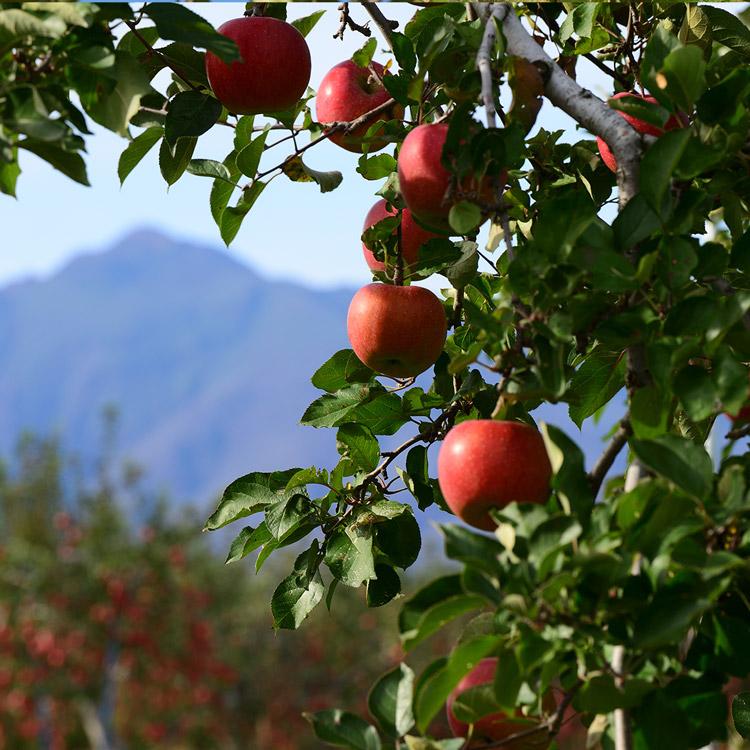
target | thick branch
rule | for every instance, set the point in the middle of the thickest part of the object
(579, 103)
(386, 27)
(485, 71)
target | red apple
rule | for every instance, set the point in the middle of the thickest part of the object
(640, 125)
(412, 235)
(494, 727)
(396, 330)
(425, 183)
(347, 92)
(484, 463)
(743, 415)
(274, 71)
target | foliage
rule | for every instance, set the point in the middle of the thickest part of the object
(580, 307)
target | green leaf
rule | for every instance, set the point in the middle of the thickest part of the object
(349, 556)
(210, 168)
(363, 56)
(595, 383)
(384, 587)
(403, 49)
(177, 23)
(250, 494)
(390, 701)
(9, 173)
(248, 158)
(659, 164)
(650, 410)
(190, 113)
(471, 548)
(741, 714)
(383, 414)
(16, 23)
(464, 217)
(679, 460)
(287, 514)
(433, 694)
(464, 269)
(685, 71)
(136, 150)
(233, 216)
(174, 164)
(221, 190)
(376, 167)
(438, 615)
(400, 539)
(299, 593)
(635, 222)
(694, 387)
(297, 171)
(333, 409)
(580, 21)
(359, 444)
(342, 729)
(728, 29)
(341, 370)
(307, 23)
(247, 541)
(115, 108)
(667, 618)
(70, 163)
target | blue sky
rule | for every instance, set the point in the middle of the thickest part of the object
(294, 232)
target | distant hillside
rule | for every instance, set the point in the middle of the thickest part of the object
(208, 363)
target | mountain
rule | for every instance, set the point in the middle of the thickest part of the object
(207, 363)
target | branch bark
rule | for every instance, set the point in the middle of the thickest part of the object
(485, 71)
(604, 464)
(386, 27)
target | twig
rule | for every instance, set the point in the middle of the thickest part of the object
(485, 71)
(347, 20)
(331, 128)
(131, 25)
(604, 464)
(739, 432)
(386, 27)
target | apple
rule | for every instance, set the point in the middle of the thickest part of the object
(742, 416)
(425, 183)
(396, 330)
(347, 92)
(412, 235)
(485, 463)
(640, 125)
(498, 726)
(274, 71)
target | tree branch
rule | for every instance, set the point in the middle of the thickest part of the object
(485, 71)
(604, 464)
(347, 20)
(386, 27)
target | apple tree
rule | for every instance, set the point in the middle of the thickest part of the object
(600, 610)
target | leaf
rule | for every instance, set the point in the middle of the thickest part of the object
(136, 150)
(250, 494)
(190, 113)
(595, 383)
(70, 163)
(297, 171)
(333, 409)
(439, 614)
(685, 71)
(580, 21)
(684, 463)
(210, 168)
(349, 556)
(384, 587)
(470, 548)
(363, 56)
(247, 541)
(173, 164)
(464, 217)
(728, 29)
(294, 599)
(667, 618)
(358, 443)
(741, 714)
(383, 414)
(248, 158)
(233, 216)
(650, 409)
(400, 539)
(178, 24)
(342, 729)
(464, 269)
(287, 514)
(433, 694)
(390, 701)
(376, 167)
(694, 387)
(341, 370)
(659, 163)
(16, 23)
(115, 108)
(307, 23)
